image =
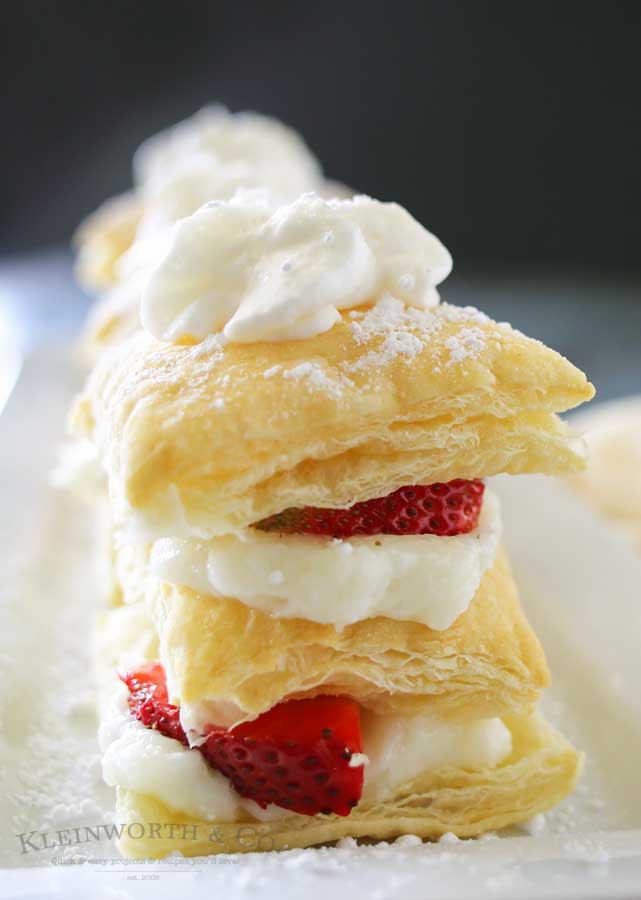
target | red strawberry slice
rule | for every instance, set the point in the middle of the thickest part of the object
(296, 755)
(443, 509)
(149, 702)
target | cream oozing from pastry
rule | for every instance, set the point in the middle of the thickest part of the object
(399, 748)
(259, 273)
(395, 750)
(421, 578)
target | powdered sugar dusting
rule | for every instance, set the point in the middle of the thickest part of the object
(50, 774)
(448, 838)
(467, 345)
(450, 313)
(406, 332)
(315, 378)
(397, 324)
(390, 315)
(396, 344)
(212, 347)
(535, 825)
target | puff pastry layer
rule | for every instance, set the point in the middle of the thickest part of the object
(102, 239)
(488, 663)
(201, 440)
(541, 770)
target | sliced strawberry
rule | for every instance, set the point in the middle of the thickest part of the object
(149, 703)
(297, 755)
(443, 509)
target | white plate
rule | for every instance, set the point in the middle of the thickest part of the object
(580, 585)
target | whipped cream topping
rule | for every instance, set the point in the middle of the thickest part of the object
(421, 578)
(215, 152)
(396, 750)
(210, 156)
(261, 273)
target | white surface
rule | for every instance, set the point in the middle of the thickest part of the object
(580, 585)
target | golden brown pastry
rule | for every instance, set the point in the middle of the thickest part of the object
(103, 238)
(222, 437)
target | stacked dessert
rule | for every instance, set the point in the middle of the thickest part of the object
(207, 157)
(321, 635)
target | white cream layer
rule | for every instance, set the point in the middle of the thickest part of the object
(419, 578)
(398, 749)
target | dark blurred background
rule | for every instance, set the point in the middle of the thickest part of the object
(511, 130)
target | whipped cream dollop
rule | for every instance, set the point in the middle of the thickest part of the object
(256, 272)
(210, 156)
(421, 578)
(396, 749)
(214, 152)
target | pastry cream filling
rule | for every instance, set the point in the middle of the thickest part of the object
(421, 578)
(397, 748)
(259, 272)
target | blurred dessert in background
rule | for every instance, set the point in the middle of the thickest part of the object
(612, 480)
(205, 158)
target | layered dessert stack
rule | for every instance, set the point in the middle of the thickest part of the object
(320, 635)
